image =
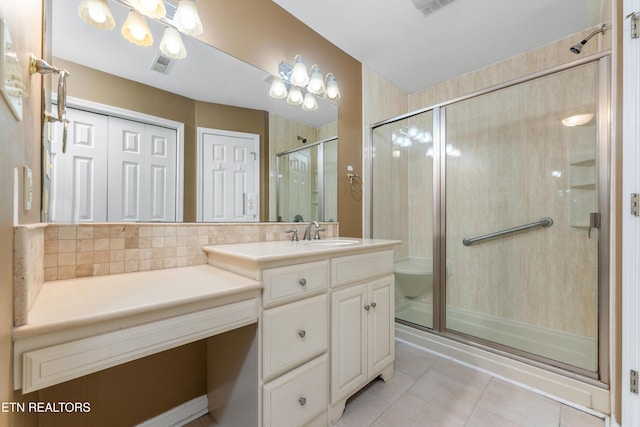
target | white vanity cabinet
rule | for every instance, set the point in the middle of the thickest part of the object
(295, 339)
(326, 324)
(362, 315)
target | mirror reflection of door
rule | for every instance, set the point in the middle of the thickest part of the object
(228, 176)
(114, 169)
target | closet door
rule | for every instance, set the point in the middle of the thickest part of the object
(142, 172)
(79, 176)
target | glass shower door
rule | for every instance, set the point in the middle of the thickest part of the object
(402, 207)
(521, 156)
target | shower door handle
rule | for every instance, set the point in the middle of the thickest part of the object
(594, 222)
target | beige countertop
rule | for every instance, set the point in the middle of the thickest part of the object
(123, 299)
(245, 258)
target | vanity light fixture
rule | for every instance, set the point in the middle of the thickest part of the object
(154, 9)
(299, 75)
(97, 14)
(171, 44)
(298, 87)
(295, 96)
(316, 82)
(332, 93)
(187, 19)
(278, 89)
(136, 30)
(309, 103)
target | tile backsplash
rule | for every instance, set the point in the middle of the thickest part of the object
(49, 252)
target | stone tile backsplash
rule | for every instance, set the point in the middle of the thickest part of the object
(49, 252)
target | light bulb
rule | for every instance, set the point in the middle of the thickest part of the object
(97, 15)
(299, 75)
(332, 93)
(278, 90)
(187, 19)
(136, 30)
(295, 96)
(310, 103)
(316, 82)
(171, 44)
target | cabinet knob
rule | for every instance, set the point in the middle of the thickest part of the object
(302, 281)
(373, 305)
(367, 307)
(302, 401)
(302, 333)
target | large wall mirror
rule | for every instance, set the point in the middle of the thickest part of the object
(126, 104)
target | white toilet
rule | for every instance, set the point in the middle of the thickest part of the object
(414, 276)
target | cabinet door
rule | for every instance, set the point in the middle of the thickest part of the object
(348, 340)
(381, 347)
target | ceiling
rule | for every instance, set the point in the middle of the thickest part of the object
(415, 51)
(392, 37)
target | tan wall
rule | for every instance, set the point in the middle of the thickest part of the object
(19, 146)
(263, 34)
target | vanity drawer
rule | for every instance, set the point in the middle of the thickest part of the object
(285, 284)
(296, 398)
(293, 334)
(354, 268)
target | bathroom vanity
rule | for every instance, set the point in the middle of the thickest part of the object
(302, 326)
(326, 326)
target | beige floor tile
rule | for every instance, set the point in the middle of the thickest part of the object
(413, 412)
(363, 410)
(520, 406)
(468, 376)
(450, 395)
(483, 418)
(572, 417)
(413, 361)
(394, 388)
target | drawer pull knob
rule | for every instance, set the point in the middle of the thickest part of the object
(302, 401)
(302, 282)
(302, 333)
(373, 305)
(367, 307)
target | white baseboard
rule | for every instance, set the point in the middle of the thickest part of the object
(180, 415)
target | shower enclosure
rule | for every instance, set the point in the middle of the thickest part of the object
(500, 200)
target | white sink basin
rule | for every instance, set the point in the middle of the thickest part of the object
(333, 242)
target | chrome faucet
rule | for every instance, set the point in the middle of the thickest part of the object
(307, 232)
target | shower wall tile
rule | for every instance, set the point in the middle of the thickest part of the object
(49, 252)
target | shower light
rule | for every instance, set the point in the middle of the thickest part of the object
(578, 120)
(171, 44)
(136, 30)
(97, 13)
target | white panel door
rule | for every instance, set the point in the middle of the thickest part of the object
(142, 172)
(79, 176)
(229, 176)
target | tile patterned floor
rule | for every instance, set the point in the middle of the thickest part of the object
(429, 391)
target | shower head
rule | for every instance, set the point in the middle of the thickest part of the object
(577, 48)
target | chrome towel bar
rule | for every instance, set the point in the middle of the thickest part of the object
(544, 222)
